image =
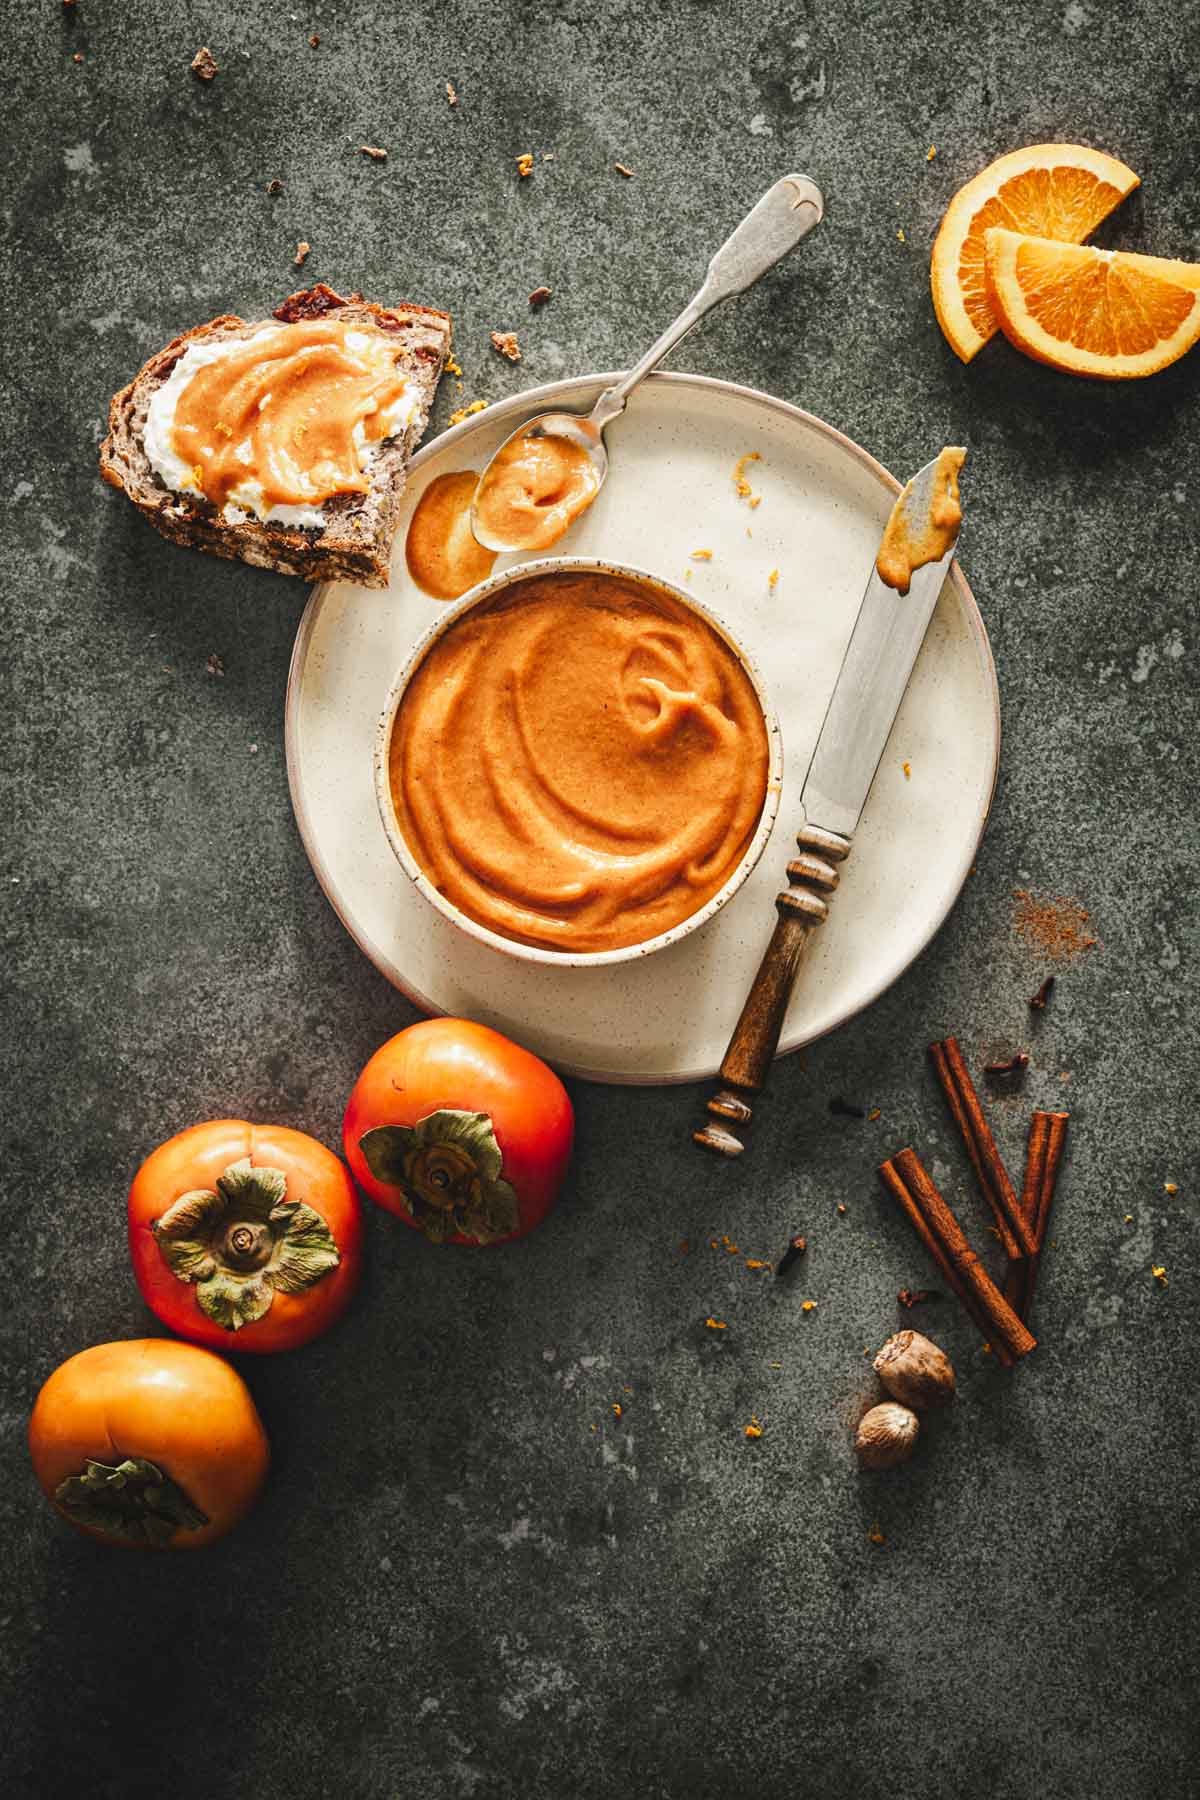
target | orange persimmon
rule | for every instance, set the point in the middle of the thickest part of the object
(245, 1237)
(149, 1444)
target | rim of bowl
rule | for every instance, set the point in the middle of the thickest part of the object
(537, 953)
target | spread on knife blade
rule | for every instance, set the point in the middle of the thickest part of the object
(909, 543)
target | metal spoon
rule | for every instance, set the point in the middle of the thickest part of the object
(786, 213)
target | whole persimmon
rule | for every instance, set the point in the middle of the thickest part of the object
(245, 1237)
(462, 1133)
(149, 1443)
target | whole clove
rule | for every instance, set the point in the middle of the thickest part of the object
(844, 1110)
(1037, 1002)
(1015, 1065)
(911, 1297)
(795, 1249)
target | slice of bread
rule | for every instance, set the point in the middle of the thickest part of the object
(355, 544)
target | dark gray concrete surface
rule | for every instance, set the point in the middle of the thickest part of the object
(466, 1578)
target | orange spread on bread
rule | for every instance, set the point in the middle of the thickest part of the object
(295, 409)
(580, 762)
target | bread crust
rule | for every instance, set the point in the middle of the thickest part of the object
(356, 543)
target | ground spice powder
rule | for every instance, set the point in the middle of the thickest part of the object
(1058, 926)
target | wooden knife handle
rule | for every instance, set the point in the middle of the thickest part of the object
(801, 907)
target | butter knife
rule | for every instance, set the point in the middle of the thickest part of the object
(875, 671)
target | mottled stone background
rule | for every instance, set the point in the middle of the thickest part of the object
(455, 1585)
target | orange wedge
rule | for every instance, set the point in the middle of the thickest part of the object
(1059, 191)
(1092, 312)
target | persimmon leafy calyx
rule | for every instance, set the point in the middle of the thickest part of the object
(449, 1168)
(243, 1243)
(133, 1500)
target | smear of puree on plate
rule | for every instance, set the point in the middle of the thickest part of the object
(580, 762)
(443, 555)
(909, 543)
(534, 489)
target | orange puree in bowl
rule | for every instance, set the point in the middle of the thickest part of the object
(579, 763)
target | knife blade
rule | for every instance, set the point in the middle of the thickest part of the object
(872, 680)
(871, 683)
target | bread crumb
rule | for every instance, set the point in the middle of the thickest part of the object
(315, 41)
(274, 186)
(931, 153)
(900, 237)
(754, 1428)
(525, 164)
(727, 1243)
(204, 64)
(1170, 1187)
(78, 58)
(1159, 1273)
(808, 1306)
(842, 1208)
(907, 767)
(451, 93)
(1129, 1218)
(716, 1324)
(618, 1409)
(539, 296)
(506, 343)
(874, 1114)
(875, 1536)
(464, 412)
(374, 152)
(773, 579)
(701, 555)
(756, 1262)
(302, 250)
(622, 170)
(215, 665)
(254, 749)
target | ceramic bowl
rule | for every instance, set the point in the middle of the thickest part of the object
(536, 953)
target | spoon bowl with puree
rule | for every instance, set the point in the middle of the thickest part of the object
(550, 469)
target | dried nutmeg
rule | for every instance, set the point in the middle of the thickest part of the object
(914, 1370)
(886, 1436)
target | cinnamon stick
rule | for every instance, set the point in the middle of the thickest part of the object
(894, 1181)
(1047, 1137)
(1001, 1322)
(1016, 1235)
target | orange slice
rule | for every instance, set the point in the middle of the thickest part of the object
(1092, 312)
(1059, 191)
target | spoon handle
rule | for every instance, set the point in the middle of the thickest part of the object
(786, 213)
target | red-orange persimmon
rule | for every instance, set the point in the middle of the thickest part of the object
(461, 1132)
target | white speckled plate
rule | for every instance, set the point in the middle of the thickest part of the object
(670, 491)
